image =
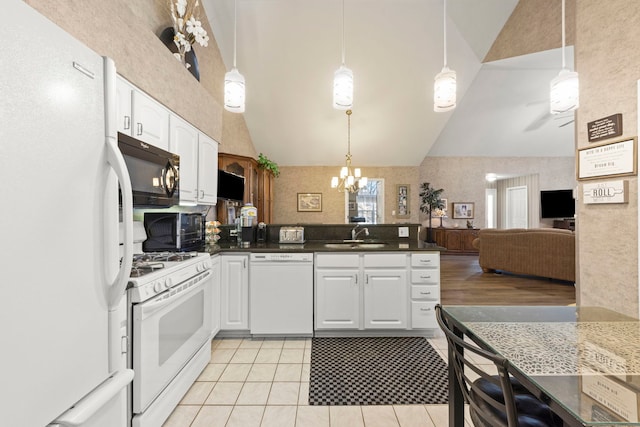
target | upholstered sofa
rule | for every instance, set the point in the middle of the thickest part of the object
(545, 252)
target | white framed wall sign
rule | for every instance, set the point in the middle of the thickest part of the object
(611, 160)
(605, 192)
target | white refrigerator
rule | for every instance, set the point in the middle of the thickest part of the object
(62, 314)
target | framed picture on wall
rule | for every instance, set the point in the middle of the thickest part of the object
(462, 210)
(402, 201)
(309, 202)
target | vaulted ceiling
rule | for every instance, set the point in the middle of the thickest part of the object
(288, 51)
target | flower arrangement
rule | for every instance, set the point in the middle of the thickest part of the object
(439, 212)
(187, 29)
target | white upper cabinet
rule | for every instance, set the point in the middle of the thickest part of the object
(141, 116)
(183, 140)
(124, 92)
(207, 170)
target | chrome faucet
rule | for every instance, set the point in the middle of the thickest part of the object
(354, 234)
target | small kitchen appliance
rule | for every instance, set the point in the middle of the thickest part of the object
(261, 233)
(291, 234)
(173, 231)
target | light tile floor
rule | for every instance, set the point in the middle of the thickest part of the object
(265, 382)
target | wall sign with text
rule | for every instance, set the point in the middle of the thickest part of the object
(606, 192)
(608, 160)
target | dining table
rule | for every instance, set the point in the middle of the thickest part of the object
(584, 362)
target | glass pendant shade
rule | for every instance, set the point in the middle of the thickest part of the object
(565, 92)
(234, 91)
(343, 88)
(444, 91)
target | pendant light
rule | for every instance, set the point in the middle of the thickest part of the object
(350, 179)
(565, 90)
(343, 80)
(444, 87)
(234, 89)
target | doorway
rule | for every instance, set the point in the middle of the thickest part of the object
(517, 207)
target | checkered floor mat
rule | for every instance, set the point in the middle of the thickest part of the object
(376, 371)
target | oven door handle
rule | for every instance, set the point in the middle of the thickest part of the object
(150, 307)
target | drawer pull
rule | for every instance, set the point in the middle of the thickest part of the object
(425, 293)
(425, 260)
(425, 309)
(425, 277)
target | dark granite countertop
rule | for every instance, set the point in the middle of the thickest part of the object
(321, 246)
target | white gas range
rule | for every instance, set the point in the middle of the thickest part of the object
(170, 322)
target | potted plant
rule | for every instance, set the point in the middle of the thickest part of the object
(265, 163)
(429, 201)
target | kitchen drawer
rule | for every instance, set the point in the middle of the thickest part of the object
(423, 315)
(337, 260)
(425, 292)
(425, 259)
(385, 260)
(426, 275)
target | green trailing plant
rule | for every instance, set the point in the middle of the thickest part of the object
(265, 163)
(429, 201)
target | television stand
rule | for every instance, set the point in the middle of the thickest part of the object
(567, 224)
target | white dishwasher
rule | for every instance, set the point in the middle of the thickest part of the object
(281, 294)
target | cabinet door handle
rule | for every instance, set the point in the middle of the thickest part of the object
(139, 132)
(366, 279)
(244, 263)
(356, 277)
(202, 194)
(127, 122)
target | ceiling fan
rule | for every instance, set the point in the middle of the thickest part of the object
(543, 118)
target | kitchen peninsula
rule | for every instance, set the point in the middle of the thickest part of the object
(383, 284)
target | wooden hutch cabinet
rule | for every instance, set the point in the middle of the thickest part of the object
(456, 240)
(258, 186)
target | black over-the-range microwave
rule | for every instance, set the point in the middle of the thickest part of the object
(153, 171)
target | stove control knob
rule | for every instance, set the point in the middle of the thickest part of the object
(168, 283)
(157, 286)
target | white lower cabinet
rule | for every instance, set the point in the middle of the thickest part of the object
(385, 290)
(425, 289)
(376, 291)
(215, 306)
(385, 299)
(234, 292)
(337, 299)
(337, 291)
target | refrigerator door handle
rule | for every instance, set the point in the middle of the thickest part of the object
(93, 402)
(116, 161)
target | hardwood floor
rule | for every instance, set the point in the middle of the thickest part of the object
(464, 283)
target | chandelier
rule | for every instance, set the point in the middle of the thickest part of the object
(350, 179)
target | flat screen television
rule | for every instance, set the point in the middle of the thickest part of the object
(230, 186)
(557, 204)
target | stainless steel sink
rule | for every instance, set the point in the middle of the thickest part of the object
(354, 245)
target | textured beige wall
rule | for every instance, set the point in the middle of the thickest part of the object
(127, 31)
(608, 60)
(463, 178)
(534, 26)
(317, 179)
